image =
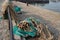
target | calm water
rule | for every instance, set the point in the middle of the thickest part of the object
(53, 5)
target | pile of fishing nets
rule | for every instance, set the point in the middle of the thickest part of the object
(31, 27)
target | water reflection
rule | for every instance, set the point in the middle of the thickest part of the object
(53, 5)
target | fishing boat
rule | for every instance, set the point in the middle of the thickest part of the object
(34, 1)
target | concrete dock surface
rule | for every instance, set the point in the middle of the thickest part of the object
(50, 18)
(4, 28)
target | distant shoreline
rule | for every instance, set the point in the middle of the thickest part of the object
(35, 1)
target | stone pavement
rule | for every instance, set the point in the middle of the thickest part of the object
(4, 30)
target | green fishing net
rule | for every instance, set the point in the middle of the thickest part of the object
(1, 18)
(23, 33)
(17, 9)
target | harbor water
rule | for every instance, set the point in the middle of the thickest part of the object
(53, 5)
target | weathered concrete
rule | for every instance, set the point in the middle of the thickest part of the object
(4, 29)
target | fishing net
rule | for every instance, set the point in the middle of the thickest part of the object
(32, 27)
(17, 9)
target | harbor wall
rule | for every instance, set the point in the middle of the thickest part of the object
(34, 1)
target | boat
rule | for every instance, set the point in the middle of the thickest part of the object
(34, 1)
